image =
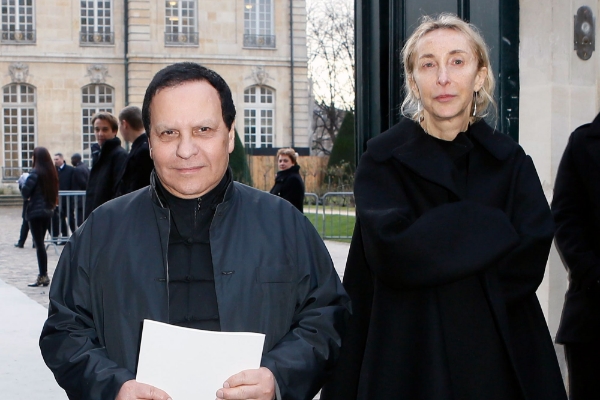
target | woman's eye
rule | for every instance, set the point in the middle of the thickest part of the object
(458, 62)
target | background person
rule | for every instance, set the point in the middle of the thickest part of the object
(108, 162)
(59, 219)
(576, 210)
(80, 180)
(41, 192)
(138, 166)
(24, 225)
(452, 237)
(198, 250)
(288, 182)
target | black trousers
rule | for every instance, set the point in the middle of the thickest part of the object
(24, 232)
(38, 228)
(583, 362)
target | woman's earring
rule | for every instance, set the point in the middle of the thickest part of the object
(474, 103)
(150, 152)
(420, 109)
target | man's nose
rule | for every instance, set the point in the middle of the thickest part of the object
(187, 147)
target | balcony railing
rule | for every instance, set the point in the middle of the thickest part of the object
(96, 38)
(181, 39)
(18, 37)
(260, 41)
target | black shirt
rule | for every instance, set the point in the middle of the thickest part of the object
(192, 295)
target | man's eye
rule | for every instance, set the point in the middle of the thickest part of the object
(168, 134)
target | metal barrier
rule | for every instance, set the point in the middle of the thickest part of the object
(68, 216)
(334, 214)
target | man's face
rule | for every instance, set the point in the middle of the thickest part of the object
(58, 161)
(74, 161)
(189, 140)
(103, 131)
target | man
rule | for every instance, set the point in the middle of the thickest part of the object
(138, 165)
(80, 180)
(65, 182)
(108, 163)
(576, 210)
(250, 262)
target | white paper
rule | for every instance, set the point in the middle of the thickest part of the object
(193, 364)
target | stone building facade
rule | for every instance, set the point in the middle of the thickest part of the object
(62, 61)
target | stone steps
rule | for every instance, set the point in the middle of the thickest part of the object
(10, 200)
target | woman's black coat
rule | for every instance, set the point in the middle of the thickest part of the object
(436, 256)
(32, 192)
(576, 209)
(290, 186)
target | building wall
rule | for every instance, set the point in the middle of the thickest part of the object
(58, 64)
(559, 92)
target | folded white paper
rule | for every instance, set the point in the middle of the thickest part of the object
(191, 364)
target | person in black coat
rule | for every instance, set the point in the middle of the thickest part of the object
(288, 182)
(107, 164)
(451, 241)
(65, 182)
(576, 210)
(41, 192)
(24, 231)
(138, 166)
(80, 180)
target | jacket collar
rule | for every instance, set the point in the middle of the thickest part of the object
(159, 200)
(410, 145)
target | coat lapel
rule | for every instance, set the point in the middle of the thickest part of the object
(424, 157)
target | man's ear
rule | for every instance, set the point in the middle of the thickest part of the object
(232, 137)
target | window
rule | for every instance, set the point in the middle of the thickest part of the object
(94, 98)
(18, 24)
(259, 116)
(96, 22)
(19, 129)
(180, 23)
(258, 23)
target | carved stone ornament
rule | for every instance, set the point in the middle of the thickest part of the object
(18, 72)
(259, 75)
(97, 73)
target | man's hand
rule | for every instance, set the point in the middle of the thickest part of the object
(134, 390)
(252, 384)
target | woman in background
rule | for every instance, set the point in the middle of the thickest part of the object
(452, 237)
(288, 182)
(41, 191)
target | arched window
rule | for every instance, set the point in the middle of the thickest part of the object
(94, 98)
(259, 116)
(19, 128)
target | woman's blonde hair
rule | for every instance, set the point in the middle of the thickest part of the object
(288, 151)
(411, 106)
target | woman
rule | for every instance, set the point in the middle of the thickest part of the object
(288, 182)
(41, 192)
(451, 241)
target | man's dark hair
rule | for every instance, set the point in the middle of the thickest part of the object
(133, 116)
(59, 155)
(76, 157)
(108, 117)
(180, 73)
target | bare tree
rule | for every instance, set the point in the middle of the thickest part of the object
(330, 37)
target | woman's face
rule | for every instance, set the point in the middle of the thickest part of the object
(445, 76)
(284, 162)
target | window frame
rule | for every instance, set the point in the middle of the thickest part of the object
(257, 102)
(100, 34)
(22, 148)
(23, 32)
(176, 13)
(259, 32)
